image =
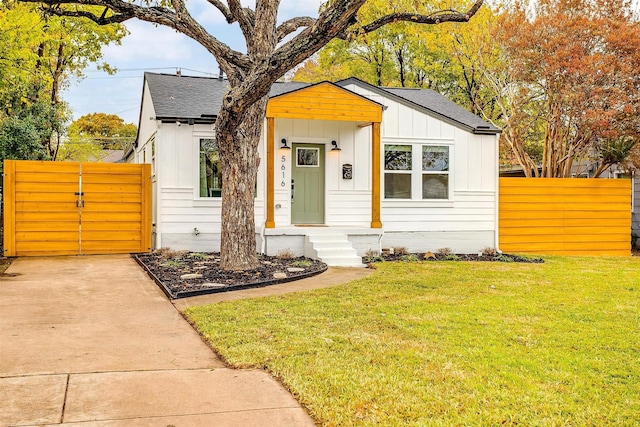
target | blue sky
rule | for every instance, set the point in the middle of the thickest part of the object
(159, 49)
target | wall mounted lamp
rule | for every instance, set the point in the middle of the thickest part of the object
(284, 144)
(335, 146)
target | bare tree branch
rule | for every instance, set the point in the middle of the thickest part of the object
(292, 25)
(264, 39)
(100, 20)
(223, 9)
(179, 7)
(180, 20)
(244, 16)
(432, 19)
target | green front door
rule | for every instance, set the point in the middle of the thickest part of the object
(307, 184)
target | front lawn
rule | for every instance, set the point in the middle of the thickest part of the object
(451, 343)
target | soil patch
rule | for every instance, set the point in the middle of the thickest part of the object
(4, 264)
(185, 274)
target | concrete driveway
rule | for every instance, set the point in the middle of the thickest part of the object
(93, 341)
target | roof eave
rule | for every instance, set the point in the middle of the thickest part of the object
(486, 131)
(381, 91)
(202, 120)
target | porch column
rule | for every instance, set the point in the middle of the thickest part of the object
(270, 222)
(375, 178)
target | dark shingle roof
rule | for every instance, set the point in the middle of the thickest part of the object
(185, 97)
(200, 98)
(433, 103)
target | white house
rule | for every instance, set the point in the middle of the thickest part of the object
(346, 167)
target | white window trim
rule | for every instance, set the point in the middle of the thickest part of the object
(202, 200)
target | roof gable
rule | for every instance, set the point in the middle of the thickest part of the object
(432, 103)
(324, 101)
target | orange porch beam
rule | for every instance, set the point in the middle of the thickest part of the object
(375, 178)
(270, 221)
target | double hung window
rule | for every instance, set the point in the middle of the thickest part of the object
(416, 171)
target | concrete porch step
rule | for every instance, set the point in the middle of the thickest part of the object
(332, 249)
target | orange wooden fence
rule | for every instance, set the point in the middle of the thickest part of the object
(65, 208)
(569, 216)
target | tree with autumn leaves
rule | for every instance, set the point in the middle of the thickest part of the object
(39, 57)
(90, 135)
(570, 73)
(560, 77)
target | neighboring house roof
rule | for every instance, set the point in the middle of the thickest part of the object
(112, 156)
(200, 98)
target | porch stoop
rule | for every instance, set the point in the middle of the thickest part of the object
(333, 249)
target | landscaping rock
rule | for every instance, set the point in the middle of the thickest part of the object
(191, 276)
(214, 285)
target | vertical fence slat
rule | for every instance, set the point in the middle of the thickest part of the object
(9, 201)
(145, 214)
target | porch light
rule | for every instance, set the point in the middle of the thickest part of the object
(335, 146)
(284, 144)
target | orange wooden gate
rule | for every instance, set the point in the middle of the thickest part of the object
(76, 208)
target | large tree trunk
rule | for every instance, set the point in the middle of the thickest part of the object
(239, 159)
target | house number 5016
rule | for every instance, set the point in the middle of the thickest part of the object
(283, 168)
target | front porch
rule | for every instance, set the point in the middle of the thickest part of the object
(305, 131)
(335, 246)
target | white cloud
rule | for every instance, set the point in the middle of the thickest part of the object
(205, 13)
(147, 41)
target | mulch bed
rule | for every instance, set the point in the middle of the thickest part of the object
(185, 274)
(429, 256)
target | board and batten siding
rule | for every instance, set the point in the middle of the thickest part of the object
(184, 219)
(466, 222)
(565, 216)
(347, 201)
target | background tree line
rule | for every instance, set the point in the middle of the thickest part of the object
(39, 57)
(560, 77)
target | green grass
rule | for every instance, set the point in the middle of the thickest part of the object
(451, 343)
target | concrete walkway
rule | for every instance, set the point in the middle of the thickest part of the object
(92, 341)
(332, 277)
